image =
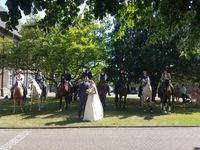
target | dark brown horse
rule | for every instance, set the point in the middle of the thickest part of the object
(103, 89)
(121, 90)
(18, 96)
(75, 89)
(64, 90)
(165, 93)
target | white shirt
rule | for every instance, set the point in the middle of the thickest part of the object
(105, 76)
(19, 77)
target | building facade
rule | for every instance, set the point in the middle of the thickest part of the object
(7, 74)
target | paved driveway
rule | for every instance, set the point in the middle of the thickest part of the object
(169, 138)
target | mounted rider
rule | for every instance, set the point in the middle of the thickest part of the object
(103, 79)
(39, 78)
(166, 80)
(88, 73)
(143, 81)
(122, 78)
(66, 77)
(103, 76)
(19, 77)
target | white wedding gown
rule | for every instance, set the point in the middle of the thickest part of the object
(93, 107)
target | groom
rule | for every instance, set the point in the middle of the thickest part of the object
(83, 94)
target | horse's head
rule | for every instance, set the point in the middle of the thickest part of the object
(102, 82)
(31, 82)
(18, 84)
(64, 87)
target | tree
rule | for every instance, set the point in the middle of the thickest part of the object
(53, 49)
(61, 12)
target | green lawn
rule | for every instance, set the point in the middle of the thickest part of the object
(132, 116)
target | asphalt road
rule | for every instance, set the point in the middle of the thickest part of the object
(161, 138)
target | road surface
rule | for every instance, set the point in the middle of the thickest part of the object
(156, 138)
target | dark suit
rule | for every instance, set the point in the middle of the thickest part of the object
(82, 96)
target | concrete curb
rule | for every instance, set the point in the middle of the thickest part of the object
(77, 127)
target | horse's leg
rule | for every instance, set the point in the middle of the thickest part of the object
(104, 102)
(124, 101)
(31, 105)
(120, 101)
(14, 106)
(21, 104)
(163, 104)
(150, 103)
(42, 101)
(66, 102)
(169, 104)
(141, 101)
(144, 102)
(116, 100)
(60, 108)
(39, 103)
(70, 98)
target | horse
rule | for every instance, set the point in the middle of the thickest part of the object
(36, 92)
(177, 93)
(64, 90)
(18, 95)
(147, 95)
(75, 89)
(121, 90)
(165, 93)
(43, 96)
(102, 89)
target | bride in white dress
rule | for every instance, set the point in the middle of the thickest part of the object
(93, 107)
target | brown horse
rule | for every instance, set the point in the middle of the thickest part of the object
(165, 93)
(121, 90)
(18, 96)
(103, 89)
(64, 90)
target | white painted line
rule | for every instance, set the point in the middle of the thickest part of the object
(15, 140)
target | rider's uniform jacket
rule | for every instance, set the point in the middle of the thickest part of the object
(39, 78)
(103, 77)
(66, 76)
(144, 80)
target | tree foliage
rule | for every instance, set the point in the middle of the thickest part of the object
(61, 12)
(54, 49)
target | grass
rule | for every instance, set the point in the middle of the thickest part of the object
(133, 115)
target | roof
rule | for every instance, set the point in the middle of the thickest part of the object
(3, 25)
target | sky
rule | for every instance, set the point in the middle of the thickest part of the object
(23, 20)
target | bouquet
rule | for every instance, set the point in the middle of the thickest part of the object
(90, 91)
